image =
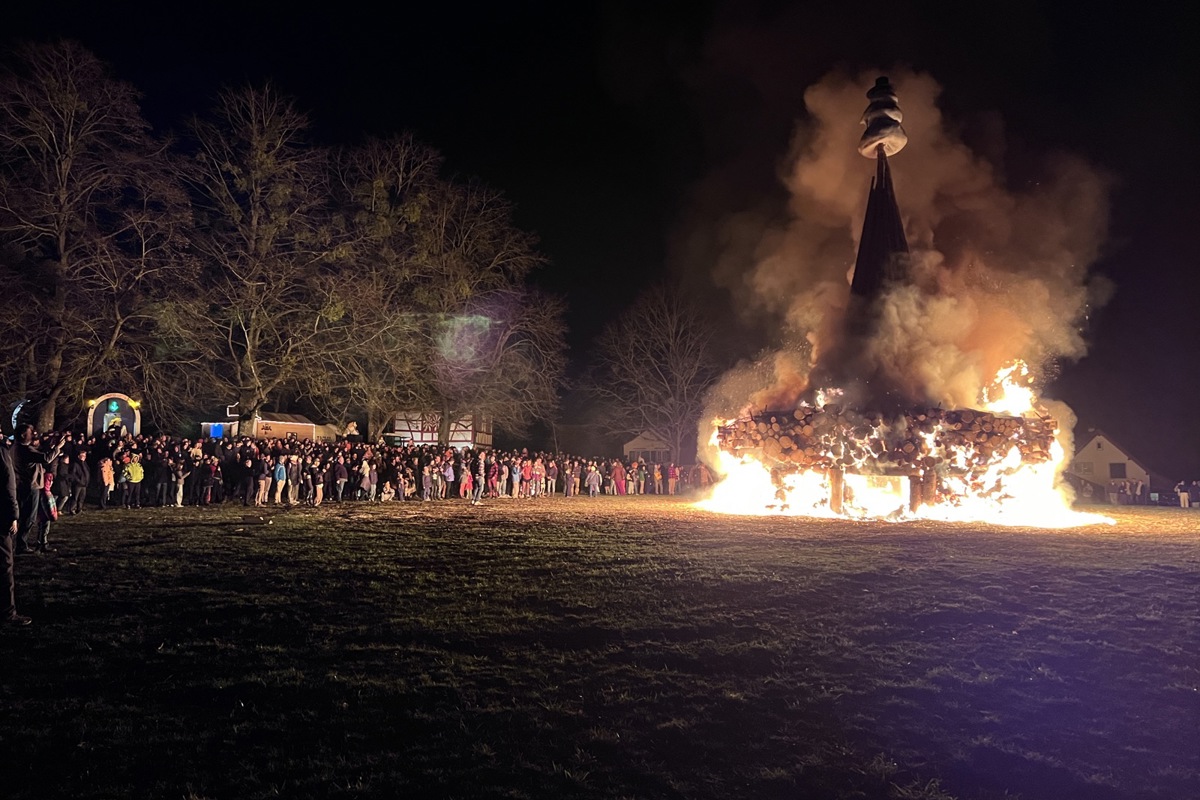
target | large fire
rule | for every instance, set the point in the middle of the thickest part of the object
(1000, 463)
(910, 398)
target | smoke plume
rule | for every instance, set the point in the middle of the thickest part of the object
(998, 272)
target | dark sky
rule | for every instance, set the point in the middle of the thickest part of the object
(605, 121)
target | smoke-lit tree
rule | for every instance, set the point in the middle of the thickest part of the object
(372, 353)
(502, 356)
(267, 241)
(437, 318)
(93, 222)
(652, 367)
(491, 346)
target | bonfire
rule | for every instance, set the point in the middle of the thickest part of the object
(865, 444)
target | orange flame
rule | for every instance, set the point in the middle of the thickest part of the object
(1008, 491)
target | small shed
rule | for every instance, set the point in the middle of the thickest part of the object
(649, 448)
(271, 425)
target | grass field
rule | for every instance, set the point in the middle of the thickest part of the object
(610, 648)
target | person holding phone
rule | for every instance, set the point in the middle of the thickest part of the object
(30, 464)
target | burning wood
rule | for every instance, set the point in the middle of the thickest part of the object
(999, 462)
(924, 445)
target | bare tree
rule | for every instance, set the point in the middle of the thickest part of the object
(441, 321)
(371, 357)
(95, 225)
(652, 367)
(502, 357)
(491, 346)
(268, 242)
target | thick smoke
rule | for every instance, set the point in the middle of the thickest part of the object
(997, 272)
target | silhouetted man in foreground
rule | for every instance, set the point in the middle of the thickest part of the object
(10, 511)
(30, 465)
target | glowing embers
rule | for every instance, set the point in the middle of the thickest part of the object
(881, 496)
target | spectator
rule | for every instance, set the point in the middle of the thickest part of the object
(108, 481)
(279, 474)
(81, 477)
(30, 465)
(10, 514)
(135, 473)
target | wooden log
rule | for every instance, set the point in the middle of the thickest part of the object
(836, 489)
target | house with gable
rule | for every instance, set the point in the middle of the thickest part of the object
(1101, 466)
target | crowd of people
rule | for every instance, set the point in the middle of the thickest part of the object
(1188, 494)
(1128, 493)
(57, 474)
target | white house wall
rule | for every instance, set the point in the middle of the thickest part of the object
(1094, 461)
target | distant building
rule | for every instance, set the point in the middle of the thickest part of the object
(649, 448)
(473, 431)
(271, 425)
(1100, 465)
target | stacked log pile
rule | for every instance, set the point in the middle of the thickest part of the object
(959, 441)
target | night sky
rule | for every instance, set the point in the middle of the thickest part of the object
(619, 129)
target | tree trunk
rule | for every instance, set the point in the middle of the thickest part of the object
(376, 422)
(247, 412)
(677, 446)
(47, 411)
(54, 319)
(444, 429)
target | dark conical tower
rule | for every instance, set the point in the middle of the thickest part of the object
(882, 247)
(882, 261)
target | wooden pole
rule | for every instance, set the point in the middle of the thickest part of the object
(837, 480)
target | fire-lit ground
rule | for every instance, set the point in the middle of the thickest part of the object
(603, 648)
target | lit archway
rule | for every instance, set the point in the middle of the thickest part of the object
(114, 411)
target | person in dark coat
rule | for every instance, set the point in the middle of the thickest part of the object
(81, 478)
(30, 465)
(340, 476)
(293, 480)
(62, 481)
(10, 512)
(248, 483)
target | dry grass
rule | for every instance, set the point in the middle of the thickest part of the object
(602, 648)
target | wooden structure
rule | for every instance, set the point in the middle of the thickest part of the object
(414, 427)
(649, 448)
(271, 425)
(912, 449)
